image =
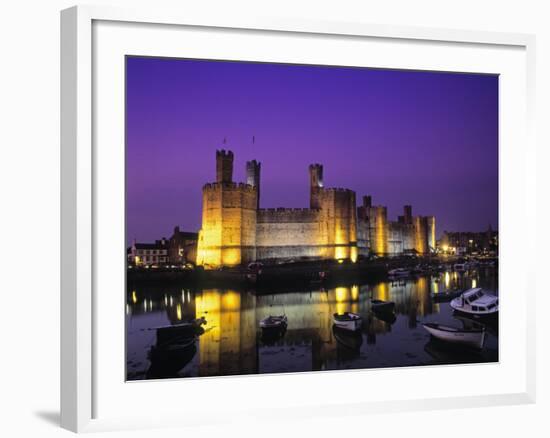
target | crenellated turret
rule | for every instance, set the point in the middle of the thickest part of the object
(253, 169)
(224, 166)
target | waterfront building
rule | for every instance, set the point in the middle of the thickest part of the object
(147, 254)
(468, 242)
(182, 247)
(236, 230)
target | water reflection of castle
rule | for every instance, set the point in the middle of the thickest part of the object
(236, 230)
(231, 343)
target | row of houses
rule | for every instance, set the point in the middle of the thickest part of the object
(179, 249)
(464, 243)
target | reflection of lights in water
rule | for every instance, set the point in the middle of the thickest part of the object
(474, 282)
(145, 305)
(183, 296)
(231, 300)
(171, 301)
(455, 275)
(134, 297)
(165, 300)
(381, 291)
(341, 294)
(127, 309)
(188, 296)
(178, 312)
(354, 254)
(341, 297)
(447, 279)
(355, 292)
(435, 286)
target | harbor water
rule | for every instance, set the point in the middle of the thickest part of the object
(231, 341)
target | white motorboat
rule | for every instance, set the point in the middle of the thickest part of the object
(470, 337)
(476, 302)
(347, 321)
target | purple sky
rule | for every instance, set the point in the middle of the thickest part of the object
(404, 137)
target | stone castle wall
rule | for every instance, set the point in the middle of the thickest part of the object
(329, 231)
(236, 231)
(286, 233)
(228, 234)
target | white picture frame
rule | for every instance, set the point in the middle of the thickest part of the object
(79, 214)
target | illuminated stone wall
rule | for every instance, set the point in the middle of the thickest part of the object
(395, 237)
(378, 229)
(329, 231)
(235, 231)
(391, 238)
(338, 208)
(431, 232)
(284, 233)
(228, 233)
(420, 234)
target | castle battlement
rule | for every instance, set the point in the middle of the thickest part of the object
(287, 209)
(224, 153)
(229, 186)
(338, 189)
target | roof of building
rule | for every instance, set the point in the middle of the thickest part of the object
(187, 235)
(155, 245)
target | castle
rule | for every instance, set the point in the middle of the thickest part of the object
(235, 230)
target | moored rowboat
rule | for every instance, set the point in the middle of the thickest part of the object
(347, 321)
(469, 337)
(382, 306)
(274, 322)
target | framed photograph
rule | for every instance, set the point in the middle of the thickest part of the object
(315, 218)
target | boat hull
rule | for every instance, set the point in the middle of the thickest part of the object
(351, 324)
(473, 339)
(455, 305)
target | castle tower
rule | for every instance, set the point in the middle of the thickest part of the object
(367, 201)
(421, 234)
(316, 184)
(253, 177)
(407, 214)
(431, 232)
(228, 232)
(379, 230)
(224, 166)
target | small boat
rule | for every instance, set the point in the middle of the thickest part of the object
(171, 333)
(399, 272)
(346, 338)
(382, 306)
(347, 321)
(168, 359)
(476, 302)
(274, 322)
(472, 337)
